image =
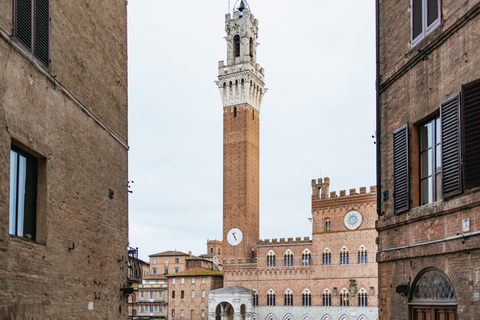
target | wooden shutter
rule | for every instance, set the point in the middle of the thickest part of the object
(471, 133)
(23, 23)
(401, 192)
(417, 18)
(451, 146)
(41, 31)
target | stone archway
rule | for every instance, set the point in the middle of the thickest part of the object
(230, 303)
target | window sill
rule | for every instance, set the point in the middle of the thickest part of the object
(470, 198)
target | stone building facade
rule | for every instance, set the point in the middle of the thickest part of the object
(63, 159)
(330, 275)
(428, 159)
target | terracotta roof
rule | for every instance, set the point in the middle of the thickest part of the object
(169, 254)
(195, 272)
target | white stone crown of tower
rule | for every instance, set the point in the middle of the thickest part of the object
(240, 81)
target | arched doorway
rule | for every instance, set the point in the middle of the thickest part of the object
(432, 297)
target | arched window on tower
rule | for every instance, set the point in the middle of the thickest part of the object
(271, 259)
(306, 258)
(306, 298)
(344, 256)
(327, 225)
(327, 298)
(288, 258)
(288, 296)
(344, 298)
(255, 298)
(236, 45)
(362, 298)
(362, 255)
(271, 298)
(251, 47)
(327, 257)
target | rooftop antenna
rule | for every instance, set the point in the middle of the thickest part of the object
(228, 6)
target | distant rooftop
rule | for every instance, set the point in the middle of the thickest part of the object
(169, 254)
(195, 272)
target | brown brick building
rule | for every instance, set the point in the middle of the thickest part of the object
(188, 293)
(63, 159)
(428, 134)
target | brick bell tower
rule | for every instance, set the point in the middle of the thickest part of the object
(241, 87)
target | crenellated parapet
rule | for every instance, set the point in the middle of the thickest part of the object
(320, 190)
(283, 241)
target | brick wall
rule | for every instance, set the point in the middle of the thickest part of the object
(414, 81)
(73, 118)
(240, 180)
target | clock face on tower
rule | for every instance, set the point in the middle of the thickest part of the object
(353, 220)
(234, 236)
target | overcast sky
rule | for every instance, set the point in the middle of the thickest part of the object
(317, 118)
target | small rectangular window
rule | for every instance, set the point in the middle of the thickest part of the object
(193, 294)
(154, 261)
(176, 260)
(23, 194)
(193, 280)
(425, 17)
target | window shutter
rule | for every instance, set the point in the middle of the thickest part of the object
(471, 118)
(432, 11)
(400, 170)
(417, 18)
(451, 152)
(23, 22)
(41, 34)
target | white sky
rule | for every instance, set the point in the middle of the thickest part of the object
(317, 118)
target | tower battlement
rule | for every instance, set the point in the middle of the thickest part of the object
(320, 190)
(281, 241)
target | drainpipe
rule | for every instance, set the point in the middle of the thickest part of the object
(378, 128)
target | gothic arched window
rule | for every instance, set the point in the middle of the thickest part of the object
(288, 258)
(362, 298)
(306, 258)
(270, 298)
(344, 298)
(344, 256)
(251, 47)
(327, 257)
(288, 295)
(362, 255)
(271, 259)
(327, 298)
(306, 298)
(255, 298)
(236, 45)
